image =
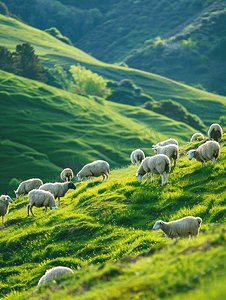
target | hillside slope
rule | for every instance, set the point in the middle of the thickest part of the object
(52, 51)
(103, 231)
(44, 129)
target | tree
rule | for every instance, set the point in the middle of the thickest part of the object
(8, 63)
(28, 65)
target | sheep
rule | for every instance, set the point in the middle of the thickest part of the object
(58, 189)
(208, 151)
(67, 175)
(40, 198)
(196, 136)
(157, 164)
(53, 273)
(96, 169)
(187, 226)
(215, 132)
(171, 151)
(137, 156)
(26, 186)
(5, 201)
(167, 142)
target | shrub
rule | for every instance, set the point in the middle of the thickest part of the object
(91, 83)
(58, 77)
(3, 9)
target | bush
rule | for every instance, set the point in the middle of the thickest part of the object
(91, 83)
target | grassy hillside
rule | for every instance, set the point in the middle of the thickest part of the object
(52, 51)
(44, 129)
(103, 231)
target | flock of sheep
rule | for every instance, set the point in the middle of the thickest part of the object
(40, 194)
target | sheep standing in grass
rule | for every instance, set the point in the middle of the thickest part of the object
(157, 164)
(67, 175)
(40, 198)
(137, 156)
(5, 201)
(208, 151)
(58, 189)
(53, 273)
(167, 142)
(26, 186)
(215, 132)
(197, 136)
(171, 151)
(187, 226)
(96, 169)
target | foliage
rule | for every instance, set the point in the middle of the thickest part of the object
(58, 77)
(56, 33)
(4, 9)
(222, 120)
(91, 83)
(23, 62)
(175, 111)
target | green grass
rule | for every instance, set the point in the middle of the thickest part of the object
(103, 231)
(44, 129)
(52, 51)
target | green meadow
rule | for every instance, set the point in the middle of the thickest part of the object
(103, 231)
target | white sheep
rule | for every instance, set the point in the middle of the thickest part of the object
(187, 226)
(40, 198)
(172, 151)
(58, 189)
(215, 132)
(196, 137)
(167, 142)
(5, 201)
(137, 156)
(157, 164)
(26, 186)
(96, 169)
(205, 152)
(67, 175)
(53, 273)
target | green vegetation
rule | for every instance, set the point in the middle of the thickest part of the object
(103, 232)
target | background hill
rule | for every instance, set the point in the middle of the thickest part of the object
(126, 31)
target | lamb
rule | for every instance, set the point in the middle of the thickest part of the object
(157, 164)
(215, 132)
(40, 198)
(5, 201)
(58, 189)
(171, 151)
(208, 151)
(67, 175)
(137, 156)
(26, 186)
(167, 142)
(196, 136)
(187, 226)
(96, 169)
(53, 273)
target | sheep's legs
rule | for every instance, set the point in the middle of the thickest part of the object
(59, 200)
(175, 162)
(2, 219)
(31, 210)
(92, 179)
(28, 208)
(104, 176)
(163, 179)
(147, 177)
(167, 177)
(214, 161)
(22, 196)
(45, 210)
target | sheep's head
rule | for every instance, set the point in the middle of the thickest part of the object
(17, 194)
(139, 177)
(6, 198)
(191, 154)
(71, 185)
(158, 225)
(79, 177)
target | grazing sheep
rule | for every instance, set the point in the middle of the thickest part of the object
(67, 175)
(96, 169)
(167, 142)
(53, 273)
(40, 198)
(208, 151)
(171, 151)
(215, 132)
(187, 226)
(157, 164)
(26, 186)
(196, 136)
(5, 201)
(137, 156)
(58, 189)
